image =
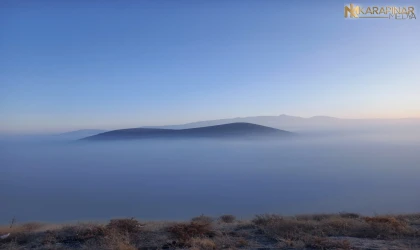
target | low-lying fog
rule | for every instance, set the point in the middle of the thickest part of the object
(367, 172)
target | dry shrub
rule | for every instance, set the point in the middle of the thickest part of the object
(202, 219)
(305, 233)
(383, 219)
(117, 241)
(326, 243)
(126, 228)
(314, 217)
(112, 240)
(388, 227)
(225, 241)
(130, 226)
(282, 228)
(185, 231)
(81, 232)
(227, 218)
(338, 226)
(202, 243)
(292, 230)
(349, 215)
(413, 219)
(265, 219)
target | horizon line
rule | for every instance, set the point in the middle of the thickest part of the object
(58, 131)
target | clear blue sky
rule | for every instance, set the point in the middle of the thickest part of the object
(68, 65)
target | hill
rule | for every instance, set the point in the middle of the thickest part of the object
(217, 131)
(315, 123)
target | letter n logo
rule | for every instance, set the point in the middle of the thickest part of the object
(353, 10)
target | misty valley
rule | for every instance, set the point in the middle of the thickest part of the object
(209, 125)
(68, 180)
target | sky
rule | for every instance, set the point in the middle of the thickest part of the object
(68, 65)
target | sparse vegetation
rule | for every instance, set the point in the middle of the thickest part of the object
(318, 231)
(199, 227)
(203, 219)
(125, 226)
(202, 243)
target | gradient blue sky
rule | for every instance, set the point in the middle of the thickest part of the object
(68, 65)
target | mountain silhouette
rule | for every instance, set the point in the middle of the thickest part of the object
(236, 130)
(296, 123)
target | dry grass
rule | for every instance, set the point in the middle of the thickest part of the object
(201, 226)
(203, 219)
(349, 215)
(313, 217)
(82, 232)
(184, 232)
(318, 231)
(130, 226)
(314, 230)
(202, 243)
(389, 227)
(117, 241)
(326, 243)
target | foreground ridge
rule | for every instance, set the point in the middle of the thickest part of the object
(267, 231)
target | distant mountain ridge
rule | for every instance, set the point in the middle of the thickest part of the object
(231, 130)
(81, 133)
(296, 123)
